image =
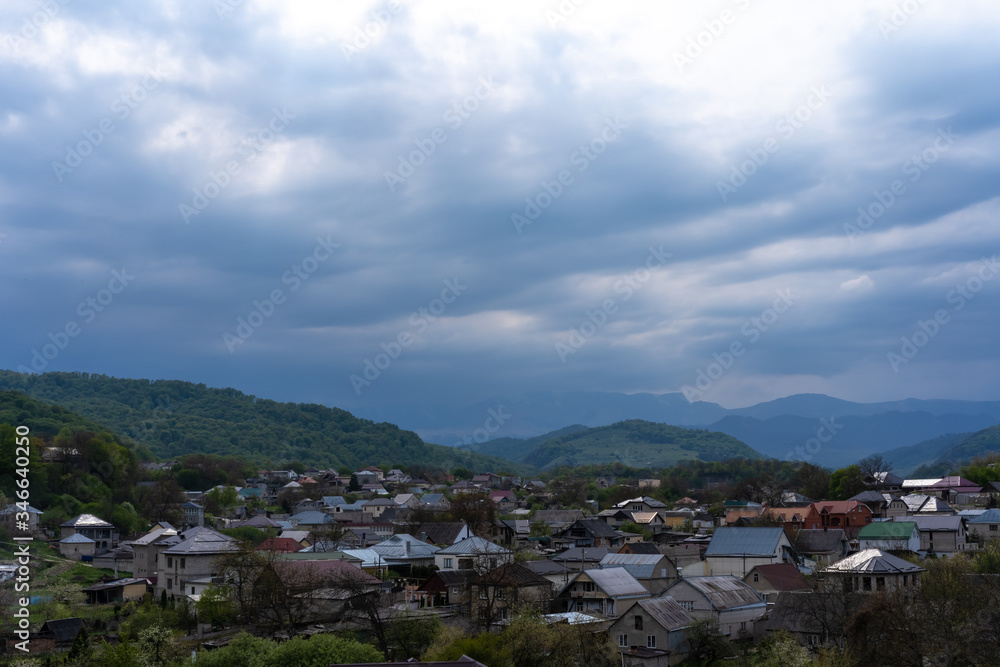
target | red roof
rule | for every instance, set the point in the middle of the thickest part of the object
(783, 576)
(281, 544)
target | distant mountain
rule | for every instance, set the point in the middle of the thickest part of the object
(638, 444)
(775, 428)
(173, 418)
(45, 420)
(515, 449)
(847, 439)
(927, 453)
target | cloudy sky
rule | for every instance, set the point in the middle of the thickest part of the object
(363, 204)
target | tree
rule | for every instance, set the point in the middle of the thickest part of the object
(157, 647)
(410, 634)
(847, 482)
(707, 644)
(477, 511)
(354, 486)
(873, 469)
(367, 603)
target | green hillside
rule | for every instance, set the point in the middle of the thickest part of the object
(173, 418)
(978, 444)
(927, 453)
(45, 420)
(638, 444)
(516, 449)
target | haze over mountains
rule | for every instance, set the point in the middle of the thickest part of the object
(774, 428)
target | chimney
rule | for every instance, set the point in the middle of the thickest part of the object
(423, 536)
(407, 547)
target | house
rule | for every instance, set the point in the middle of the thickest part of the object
(194, 514)
(741, 509)
(642, 504)
(874, 500)
(589, 533)
(370, 475)
(311, 520)
(487, 480)
(63, 631)
(448, 587)
(557, 520)
(655, 572)
(795, 613)
(193, 557)
(495, 596)
(940, 534)
(77, 546)
(121, 590)
(505, 500)
(894, 506)
(886, 481)
(557, 573)
(672, 519)
(823, 546)
(473, 553)
(443, 534)
(769, 580)
(581, 558)
(850, 515)
(638, 548)
(949, 488)
(281, 545)
(736, 551)
(402, 552)
(104, 535)
(794, 519)
(873, 570)
(986, 525)
(729, 601)
(890, 536)
(8, 514)
(656, 623)
(609, 592)
(378, 506)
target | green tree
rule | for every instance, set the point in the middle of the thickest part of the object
(847, 482)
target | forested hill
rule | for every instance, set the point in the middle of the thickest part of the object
(173, 418)
(639, 444)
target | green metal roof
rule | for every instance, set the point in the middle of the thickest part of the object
(888, 530)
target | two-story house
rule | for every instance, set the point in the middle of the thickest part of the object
(729, 601)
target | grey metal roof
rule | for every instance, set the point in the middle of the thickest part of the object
(652, 502)
(667, 612)
(819, 541)
(76, 538)
(989, 516)
(640, 566)
(934, 523)
(545, 567)
(577, 554)
(86, 521)
(731, 541)
(873, 561)
(916, 502)
(475, 546)
(616, 582)
(205, 541)
(723, 592)
(394, 548)
(312, 518)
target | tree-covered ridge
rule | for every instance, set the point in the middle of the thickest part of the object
(638, 443)
(173, 418)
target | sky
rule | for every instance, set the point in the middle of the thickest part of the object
(364, 204)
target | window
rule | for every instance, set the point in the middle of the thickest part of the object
(483, 593)
(503, 614)
(192, 590)
(501, 594)
(170, 561)
(756, 577)
(183, 560)
(588, 586)
(866, 583)
(454, 590)
(448, 562)
(638, 622)
(813, 640)
(650, 641)
(623, 641)
(687, 606)
(170, 584)
(743, 626)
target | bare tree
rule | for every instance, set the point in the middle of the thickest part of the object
(874, 468)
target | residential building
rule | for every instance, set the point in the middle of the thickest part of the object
(940, 534)
(403, 551)
(849, 515)
(609, 592)
(473, 553)
(104, 534)
(589, 533)
(193, 557)
(729, 601)
(900, 536)
(444, 533)
(581, 558)
(736, 551)
(495, 596)
(655, 572)
(769, 580)
(873, 570)
(986, 525)
(120, 590)
(77, 546)
(656, 623)
(822, 546)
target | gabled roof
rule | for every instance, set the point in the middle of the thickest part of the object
(667, 612)
(957, 482)
(595, 528)
(730, 541)
(473, 546)
(546, 567)
(783, 576)
(640, 566)
(283, 544)
(916, 502)
(869, 497)
(652, 502)
(989, 516)
(395, 548)
(723, 592)
(441, 533)
(616, 582)
(641, 548)
(312, 518)
(431, 498)
(873, 561)
(888, 530)
(840, 506)
(86, 521)
(557, 516)
(947, 523)
(64, 629)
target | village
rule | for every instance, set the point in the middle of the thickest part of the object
(659, 582)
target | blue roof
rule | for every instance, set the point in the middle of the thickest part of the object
(731, 541)
(989, 516)
(312, 517)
